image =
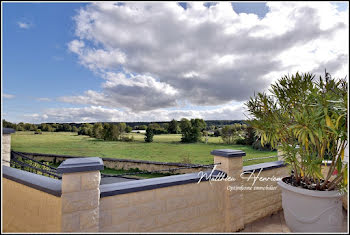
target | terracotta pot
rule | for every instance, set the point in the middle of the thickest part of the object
(311, 211)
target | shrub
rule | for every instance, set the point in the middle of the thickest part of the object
(149, 135)
(127, 138)
(312, 114)
(38, 132)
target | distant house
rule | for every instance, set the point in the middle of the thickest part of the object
(139, 131)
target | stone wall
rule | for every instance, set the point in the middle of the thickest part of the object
(179, 203)
(183, 208)
(260, 203)
(6, 149)
(26, 209)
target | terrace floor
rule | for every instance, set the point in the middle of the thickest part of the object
(276, 224)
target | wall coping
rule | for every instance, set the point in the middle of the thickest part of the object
(148, 184)
(265, 166)
(8, 130)
(228, 153)
(39, 182)
(116, 159)
(81, 165)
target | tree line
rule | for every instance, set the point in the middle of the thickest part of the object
(191, 131)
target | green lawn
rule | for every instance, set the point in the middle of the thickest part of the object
(165, 148)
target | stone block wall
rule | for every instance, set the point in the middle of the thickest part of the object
(182, 208)
(6, 149)
(26, 209)
(260, 203)
(167, 204)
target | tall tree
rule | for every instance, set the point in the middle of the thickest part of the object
(173, 127)
(149, 135)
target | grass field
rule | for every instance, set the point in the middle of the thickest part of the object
(164, 148)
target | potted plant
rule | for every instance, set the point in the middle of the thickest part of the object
(311, 114)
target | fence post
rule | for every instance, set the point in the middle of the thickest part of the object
(231, 162)
(80, 194)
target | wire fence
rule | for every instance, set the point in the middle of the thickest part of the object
(19, 160)
(23, 162)
(258, 158)
(171, 170)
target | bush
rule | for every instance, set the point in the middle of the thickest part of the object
(38, 132)
(257, 145)
(149, 135)
(127, 138)
(241, 141)
(186, 160)
(191, 130)
(217, 132)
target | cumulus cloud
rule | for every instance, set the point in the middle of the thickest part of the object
(98, 114)
(43, 99)
(8, 96)
(155, 55)
(24, 25)
(135, 92)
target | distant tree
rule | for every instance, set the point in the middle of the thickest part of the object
(121, 127)
(111, 132)
(149, 135)
(230, 132)
(217, 132)
(20, 127)
(67, 127)
(128, 129)
(29, 127)
(83, 131)
(141, 127)
(191, 130)
(173, 127)
(97, 130)
(165, 126)
(38, 131)
(154, 126)
(7, 124)
(50, 128)
(157, 129)
(75, 129)
(206, 136)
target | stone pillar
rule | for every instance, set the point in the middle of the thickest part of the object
(6, 146)
(232, 164)
(80, 194)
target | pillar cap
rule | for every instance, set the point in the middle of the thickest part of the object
(81, 165)
(227, 153)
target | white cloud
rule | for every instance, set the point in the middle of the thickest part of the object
(43, 99)
(98, 113)
(204, 56)
(8, 96)
(135, 93)
(24, 25)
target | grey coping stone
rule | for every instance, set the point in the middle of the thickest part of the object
(148, 184)
(264, 166)
(111, 180)
(81, 165)
(227, 153)
(39, 182)
(8, 131)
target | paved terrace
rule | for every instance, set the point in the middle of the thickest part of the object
(276, 224)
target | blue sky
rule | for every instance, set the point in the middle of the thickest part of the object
(53, 64)
(36, 62)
